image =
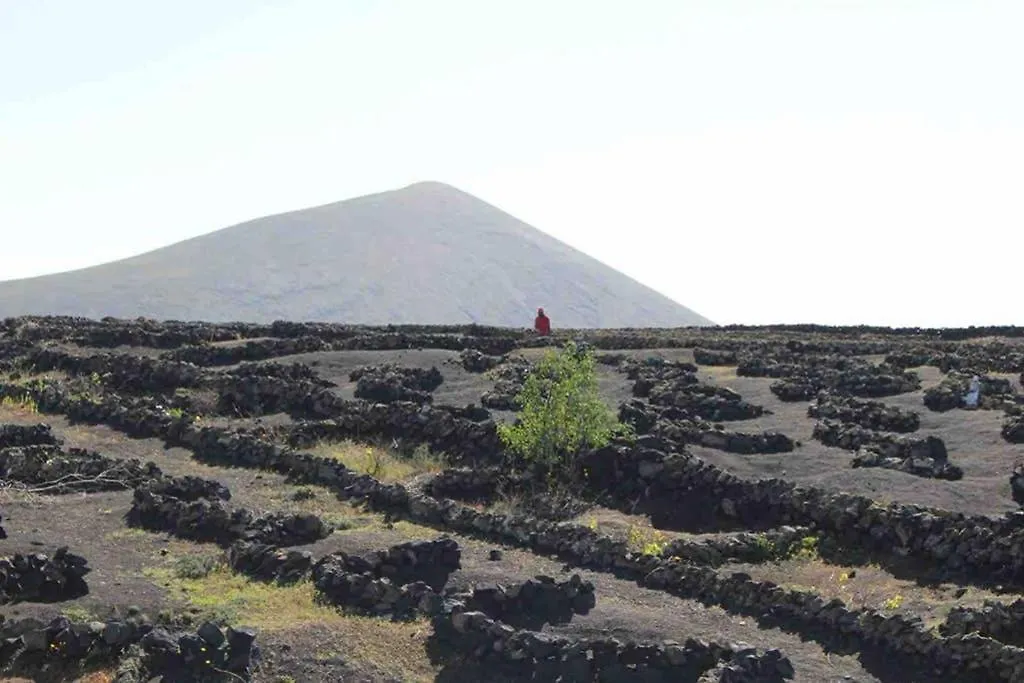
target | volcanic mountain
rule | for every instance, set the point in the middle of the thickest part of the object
(427, 253)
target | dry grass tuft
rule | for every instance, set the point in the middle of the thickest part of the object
(384, 464)
(18, 407)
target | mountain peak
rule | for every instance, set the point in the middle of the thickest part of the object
(424, 253)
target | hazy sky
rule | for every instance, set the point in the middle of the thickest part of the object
(761, 161)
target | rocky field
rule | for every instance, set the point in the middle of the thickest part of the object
(303, 502)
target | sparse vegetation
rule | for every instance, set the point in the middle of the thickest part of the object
(562, 412)
(893, 603)
(182, 583)
(394, 648)
(22, 405)
(765, 546)
(77, 614)
(646, 540)
(385, 464)
(806, 549)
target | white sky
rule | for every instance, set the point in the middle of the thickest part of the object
(761, 161)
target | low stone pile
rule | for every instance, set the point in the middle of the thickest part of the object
(389, 383)
(1013, 429)
(370, 594)
(791, 362)
(802, 377)
(268, 562)
(869, 414)
(534, 602)
(27, 435)
(209, 519)
(148, 652)
(678, 425)
(473, 360)
(989, 357)
(949, 394)
(111, 332)
(544, 657)
(50, 469)
(453, 431)
(742, 547)
(920, 456)
(793, 391)
(1017, 484)
(288, 371)
(509, 379)
(714, 357)
(429, 561)
(718, 404)
(401, 581)
(188, 488)
(258, 349)
(443, 430)
(255, 395)
(470, 411)
(40, 578)
(899, 634)
(121, 371)
(652, 371)
(466, 483)
(1003, 622)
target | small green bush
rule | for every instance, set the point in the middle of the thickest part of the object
(562, 413)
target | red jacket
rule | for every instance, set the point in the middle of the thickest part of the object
(542, 325)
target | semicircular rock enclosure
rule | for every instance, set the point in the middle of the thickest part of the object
(319, 502)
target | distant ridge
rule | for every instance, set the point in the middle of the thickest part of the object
(427, 253)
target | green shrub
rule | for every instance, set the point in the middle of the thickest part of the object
(562, 413)
(805, 549)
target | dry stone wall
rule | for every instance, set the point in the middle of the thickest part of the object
(200, 518)
(120, 371)
(983, 547)
(390, 383)
(51, 469)
(680, 426)
(27, 435)
(41, 578)
(1003, 622)
(146, 652)
(920, 456)
(996, 393)
(268, 562)
(1013, 429)
(868, 414)
(529, 655)
(533, 603)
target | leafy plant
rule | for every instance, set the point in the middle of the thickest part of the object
(806, 549)
(562, 413)
(893, 603)
(195, 566)
(765, 547)
(646, 540)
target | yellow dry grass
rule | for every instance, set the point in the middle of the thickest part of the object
(871, 586)
(215, 592)
(380, 463)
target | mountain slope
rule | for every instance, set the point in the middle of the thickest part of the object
(427, 253)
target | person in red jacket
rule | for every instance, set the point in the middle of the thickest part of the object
(542, 325)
